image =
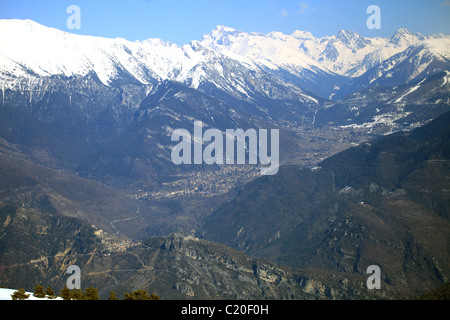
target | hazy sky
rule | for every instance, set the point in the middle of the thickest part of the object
(181, 21)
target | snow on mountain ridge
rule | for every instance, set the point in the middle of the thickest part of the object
(271, 50)
(348, 53)
(5, 294)
(48, 51)
(29, 48)
(403, 36)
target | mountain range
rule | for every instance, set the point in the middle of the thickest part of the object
(347, 55)
(85, 145)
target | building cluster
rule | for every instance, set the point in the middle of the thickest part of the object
(207, 183)
(113, 243)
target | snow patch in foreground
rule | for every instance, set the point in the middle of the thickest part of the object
(5, 294)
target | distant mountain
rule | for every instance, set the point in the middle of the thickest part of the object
(420, 60)
(115, 61)
(277, 54)
(402, 107)
(366, 205)
(300, 56)
(91, 86)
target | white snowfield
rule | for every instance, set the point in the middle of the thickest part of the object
(28, 49)
(5, 294)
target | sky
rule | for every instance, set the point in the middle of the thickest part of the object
(181, 21)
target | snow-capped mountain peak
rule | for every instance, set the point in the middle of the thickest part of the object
(404, 37)
(222, 30)
(302, 35)
(30, 47)
(352, 39)
(273, 50)
(29, 50)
